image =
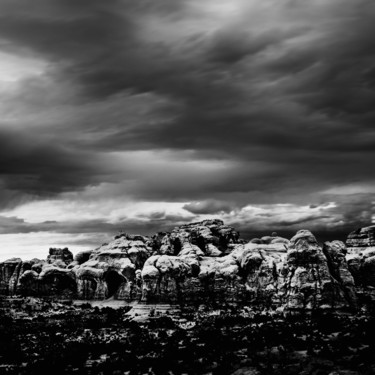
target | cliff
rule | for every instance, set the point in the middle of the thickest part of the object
(204, 262)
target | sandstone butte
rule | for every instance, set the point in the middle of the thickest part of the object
(206, 262)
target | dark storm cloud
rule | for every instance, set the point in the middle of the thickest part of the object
(98, 44)
(33, 166)
(13, 225)
(282, 97)
(356, 210)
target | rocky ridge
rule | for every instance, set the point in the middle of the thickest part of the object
(205, 262)
(361, 257)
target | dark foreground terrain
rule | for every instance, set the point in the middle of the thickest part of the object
(38, 337)
(267, 306)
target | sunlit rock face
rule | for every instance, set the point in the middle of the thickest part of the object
(111, 270)
(271, 271)
(203, 262)
(192, 264)
(311, 277)
(211, 236)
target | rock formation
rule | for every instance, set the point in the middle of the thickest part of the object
(111, 270)
(9, 273)
(59, 255)
(361, 256)
(361, 238)
(202, 262)
(191, 264)
(312, 277)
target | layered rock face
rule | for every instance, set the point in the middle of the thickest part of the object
(36, 277)
(48, 277)
(193, 264)
(361, 238)
(211, 236)
(198, 263)
(361, 256)
(9, 274)
(313, 276)
(112, 270)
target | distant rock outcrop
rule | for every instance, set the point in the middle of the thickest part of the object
(202, 262)
(9, 273)
(314, 278)
(211, 236)
(361, 256)
(111, 270)
(191, 264)
(361, 238)
(59, 255)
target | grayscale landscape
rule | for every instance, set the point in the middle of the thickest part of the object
(187, 187)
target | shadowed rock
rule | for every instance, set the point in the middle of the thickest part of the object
(9, 273)
(361, 238)
(60, 255)
(361, 256)
(82, 256)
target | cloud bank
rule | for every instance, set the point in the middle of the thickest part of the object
(175, 111)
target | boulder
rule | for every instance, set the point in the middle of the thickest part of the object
(212, 250)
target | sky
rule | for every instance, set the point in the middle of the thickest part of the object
(138, 116)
